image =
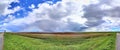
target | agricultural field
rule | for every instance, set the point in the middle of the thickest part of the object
(60, 41)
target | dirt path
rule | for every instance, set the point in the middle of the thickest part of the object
(118, 42)
(1, 41)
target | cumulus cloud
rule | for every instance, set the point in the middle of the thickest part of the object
(62, 16)
(56, 17)
(4, 4)
(9, 11)
(71, 15)
(108, 13)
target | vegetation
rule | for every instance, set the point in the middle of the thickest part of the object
(91, 41)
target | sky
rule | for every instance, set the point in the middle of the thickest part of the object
(59, 15)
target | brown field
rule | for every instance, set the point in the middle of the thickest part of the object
(62, 34)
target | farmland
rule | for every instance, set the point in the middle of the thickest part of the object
(60, 41)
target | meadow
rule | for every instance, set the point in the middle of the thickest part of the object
(60, 41)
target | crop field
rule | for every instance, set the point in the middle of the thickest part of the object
(60, 41)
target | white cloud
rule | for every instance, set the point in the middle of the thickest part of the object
(105, 7)
(4, 4)
(32, 6)
(9, 11)
(68, 15)
(6, 1)
(59, 12)
(75, 18)
(54, 15)
(9, 18)
(112, 21)
(83, 2)
(115, 3)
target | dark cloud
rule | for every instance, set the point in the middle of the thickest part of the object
(53, 26)
(105, 2)
(72, 26)
(2, 7)
(115, 12)
(94, 15)
(47, 25)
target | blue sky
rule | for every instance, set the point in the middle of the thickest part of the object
(59, 15)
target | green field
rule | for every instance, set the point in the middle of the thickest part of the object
(103, 41)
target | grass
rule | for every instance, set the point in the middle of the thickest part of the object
(45, 42)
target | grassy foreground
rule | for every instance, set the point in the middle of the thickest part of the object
(41, 42)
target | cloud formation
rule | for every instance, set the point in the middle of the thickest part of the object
(105, 16)
(68, 15)
(4, 4)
